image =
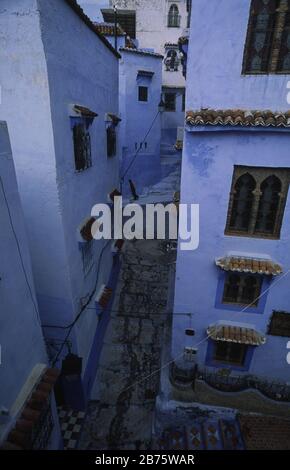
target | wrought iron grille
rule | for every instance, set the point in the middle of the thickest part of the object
(82, 147)
(111, 141)
(223, 382)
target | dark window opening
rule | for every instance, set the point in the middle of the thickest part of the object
(231, 353)
(111, 141)
(82, 147)
(269, 204)
(143, 93)
(242, 203)
(242, 289)
(279, 324)
(170, 101)
(173, 17)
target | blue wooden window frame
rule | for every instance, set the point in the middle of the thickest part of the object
(211, 362)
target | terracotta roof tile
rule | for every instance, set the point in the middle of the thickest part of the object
(108, 29)
(265, 432)
(249, 265)
(104, 296)
(86, 230)
(141, 52)
(236, 334)
(238, 117)
(20, 436)
(85, 112)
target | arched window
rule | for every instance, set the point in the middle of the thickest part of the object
(242, 203)
(173, 17)
(269, 205)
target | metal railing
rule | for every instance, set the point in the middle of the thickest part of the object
(274, 390)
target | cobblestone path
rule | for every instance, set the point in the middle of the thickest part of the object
(122, 416)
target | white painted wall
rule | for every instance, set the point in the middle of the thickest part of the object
(152, 31)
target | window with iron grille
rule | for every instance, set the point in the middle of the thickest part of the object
(87, 251)
(242, 289)
(279, 324)
(257, 202)
(82, 147)
(231, 353)
(143, 93)
(267, 48)
(173, 17)
(111, 140)
(169, 101)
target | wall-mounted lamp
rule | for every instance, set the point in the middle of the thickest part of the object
(161, 106)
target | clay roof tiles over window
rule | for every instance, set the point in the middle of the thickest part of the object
(249, 265)
(236, 334)
(141, 52)
(238, 117)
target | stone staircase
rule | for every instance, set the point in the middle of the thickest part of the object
(170, 158)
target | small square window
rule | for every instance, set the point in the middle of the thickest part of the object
(143, 93)
(230, 353)
(170, 101)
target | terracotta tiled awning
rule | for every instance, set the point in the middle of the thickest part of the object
(249, 265)
(85, 112)
(238, 117)
(236, 334)
(108, 29)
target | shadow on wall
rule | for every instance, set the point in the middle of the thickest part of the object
(145, 171)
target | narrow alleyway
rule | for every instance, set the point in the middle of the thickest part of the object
(127, 382)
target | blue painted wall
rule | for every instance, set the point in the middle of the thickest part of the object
(52, 61)
(214, 80)
(21, 340)
(138, 116)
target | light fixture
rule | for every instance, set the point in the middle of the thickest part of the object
(161, 106)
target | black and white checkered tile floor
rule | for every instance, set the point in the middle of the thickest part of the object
(71, 423)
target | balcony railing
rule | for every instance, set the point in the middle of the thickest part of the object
(225, 383)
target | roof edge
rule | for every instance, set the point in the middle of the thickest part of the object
(81, 14)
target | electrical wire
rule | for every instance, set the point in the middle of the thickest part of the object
(84, 307)
(208, 336)
(19, 251)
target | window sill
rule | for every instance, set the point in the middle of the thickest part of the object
(230, 233)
